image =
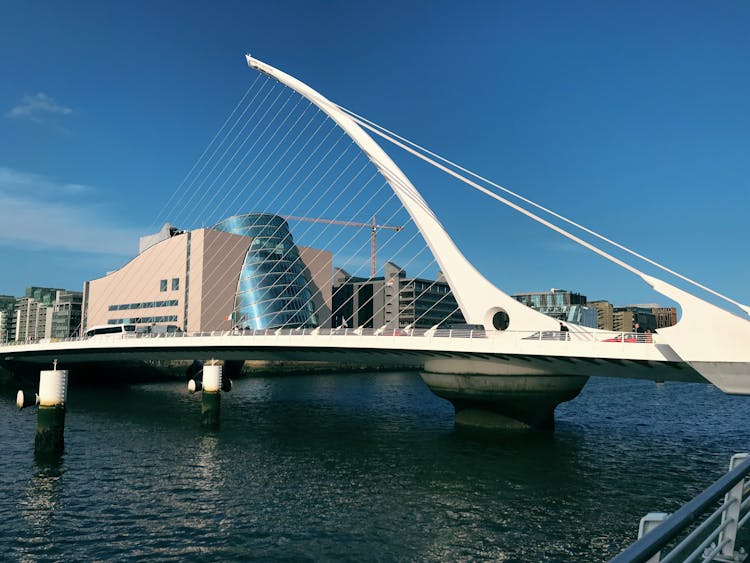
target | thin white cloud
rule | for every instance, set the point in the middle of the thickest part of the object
(36, 212)
(38, 108)
(15, 183)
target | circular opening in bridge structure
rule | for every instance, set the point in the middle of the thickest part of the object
(498, 318)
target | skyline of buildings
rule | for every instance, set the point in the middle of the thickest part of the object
(38, 315)
(572, 307)
(246, 272)
(41, 313)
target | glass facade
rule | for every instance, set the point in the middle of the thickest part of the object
(273, 290)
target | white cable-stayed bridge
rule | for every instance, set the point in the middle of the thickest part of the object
(288, 151)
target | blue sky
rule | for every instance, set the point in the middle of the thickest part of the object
(629, 117)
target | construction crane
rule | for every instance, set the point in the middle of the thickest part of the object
(373, 226)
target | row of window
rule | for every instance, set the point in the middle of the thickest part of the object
(426, 287)
(146, 305)
(175, 284)
(144, 320)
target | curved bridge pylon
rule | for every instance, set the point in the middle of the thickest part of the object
(712, 341)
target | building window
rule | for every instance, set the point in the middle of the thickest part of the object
(144, 320)
(175, 284)
(146, 305)
(163, 285)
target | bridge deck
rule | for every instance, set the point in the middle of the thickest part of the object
(530, 353)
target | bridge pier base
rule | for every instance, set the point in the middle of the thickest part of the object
(211, 410)
(49, 440)
(498, 395)
(211, 399)
(50, 419)
(212, 384)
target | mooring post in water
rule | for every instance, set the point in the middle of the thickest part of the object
(212, 384)
(50, 418)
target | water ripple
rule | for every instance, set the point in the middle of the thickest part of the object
(359, 467)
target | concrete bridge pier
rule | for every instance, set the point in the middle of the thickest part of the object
(213, 382)
(500, 394)
(50, 418)
(211, 399)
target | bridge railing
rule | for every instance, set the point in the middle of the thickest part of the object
(419, 332)
(547, 336)
(713, 539)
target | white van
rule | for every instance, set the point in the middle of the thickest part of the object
(111, 331)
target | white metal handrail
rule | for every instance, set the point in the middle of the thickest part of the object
(717, 542)
(547, 336)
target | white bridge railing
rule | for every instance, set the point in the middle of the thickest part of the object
(713, 539)
(561, 336)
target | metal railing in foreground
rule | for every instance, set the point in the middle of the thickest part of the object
(713, 539)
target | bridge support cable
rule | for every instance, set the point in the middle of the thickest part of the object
(362, 247)
(198, 185)
(350, 261)
(648, 279)
(273, 151)
(424, 154)
(300, 198)
(219, 207)
(479, 298)
(239, 207)
(382, 290)
(313, 242)
(721, 357)
(260, 186)
(383, 246)
(261, 149)
(216, 207)
(161, 214)
(181, 206)
(317, 189)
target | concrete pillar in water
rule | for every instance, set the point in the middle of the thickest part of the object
(50, 419)
(212, 384)
(211, 400)
(501, 394)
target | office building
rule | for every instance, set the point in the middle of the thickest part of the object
(393, 301)
(665, 316)
(604, 314)
(30, 314)
(622, 320)
(634, 318)
(245, 272)
(565, 306)
(64, 315)
(7, 306)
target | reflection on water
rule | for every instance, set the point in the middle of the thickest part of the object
(355, 467)
(42, 500)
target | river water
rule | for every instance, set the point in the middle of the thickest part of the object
(354, 467)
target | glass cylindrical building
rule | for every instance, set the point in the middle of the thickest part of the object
(273, 290)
